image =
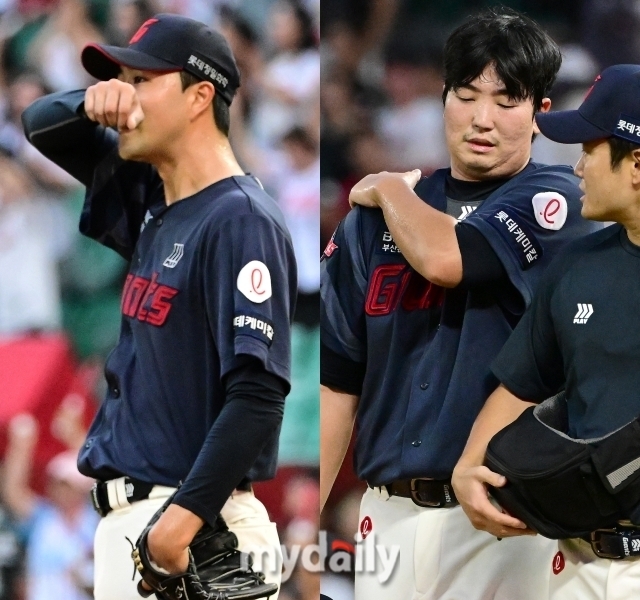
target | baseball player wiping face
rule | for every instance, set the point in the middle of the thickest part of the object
(196, 384)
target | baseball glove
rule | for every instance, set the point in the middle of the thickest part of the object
(217, 569)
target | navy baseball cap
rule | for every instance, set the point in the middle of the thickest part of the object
(610, 108)
(169, 43)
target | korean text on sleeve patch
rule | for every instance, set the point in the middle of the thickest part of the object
(520, 239)
(257, 327)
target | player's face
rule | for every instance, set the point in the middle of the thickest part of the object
(608, 194)
(165, 116)
(488, 134)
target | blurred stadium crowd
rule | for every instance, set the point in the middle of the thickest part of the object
(381, 99)
(60, 293)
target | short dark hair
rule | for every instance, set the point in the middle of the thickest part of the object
(526, 59)
(220, 107)
(620, 149)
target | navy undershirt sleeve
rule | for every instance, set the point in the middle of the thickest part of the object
(56, 125)
(480, 263)
(340, 372)
(253, 410)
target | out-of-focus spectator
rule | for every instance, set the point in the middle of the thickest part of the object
(610, 31)
(302, 506)
(11, 556)
(411, 126)
(29, 288)
(54, 51)
(289, 83)
(21, 92)
(298, 192)
(59, 528)
(125, 17)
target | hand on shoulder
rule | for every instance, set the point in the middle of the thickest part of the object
(366, 191)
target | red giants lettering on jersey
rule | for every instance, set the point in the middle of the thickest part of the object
(147, 300)
(399, 284)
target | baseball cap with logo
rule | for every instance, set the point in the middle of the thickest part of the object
(610, 108)
(170, 43)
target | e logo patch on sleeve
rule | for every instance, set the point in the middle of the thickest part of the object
(254, 281)
(550, 209)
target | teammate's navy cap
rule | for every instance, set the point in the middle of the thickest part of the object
(610, 108)
(170, 43)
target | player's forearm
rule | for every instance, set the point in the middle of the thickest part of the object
(231, 448)
(55, 125)
(425, 235)
(501, 409)
(337, 416)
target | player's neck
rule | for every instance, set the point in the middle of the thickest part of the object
(196, 164)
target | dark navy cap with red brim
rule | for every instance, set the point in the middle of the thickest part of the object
(610, 108)
(169, 43)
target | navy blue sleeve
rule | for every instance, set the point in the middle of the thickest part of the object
(119, 192)
(250, 286)
(343, 287)
(526, 226)
(253, 409)
(56, 126)
(480, 263)
(341, 373)
(530, 364)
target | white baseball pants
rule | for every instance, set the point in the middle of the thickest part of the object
(115, 575)
(578, 574)
(442, 557)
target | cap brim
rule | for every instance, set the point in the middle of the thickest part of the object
(104, 62)
(569, 127)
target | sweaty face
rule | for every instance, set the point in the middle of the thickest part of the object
(164, 106)
(488, 133)
(608, 194)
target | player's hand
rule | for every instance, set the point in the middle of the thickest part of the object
(469, 484)
(365, 192)
(113, 103)
(170, 537)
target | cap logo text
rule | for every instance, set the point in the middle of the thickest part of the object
(208, 70)
(628, 128)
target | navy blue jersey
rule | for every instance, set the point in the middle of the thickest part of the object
(212, 280)
(581, 334)
(428, 349)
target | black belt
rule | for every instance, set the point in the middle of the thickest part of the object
(617, 543)
(135, 491)
(432, 493)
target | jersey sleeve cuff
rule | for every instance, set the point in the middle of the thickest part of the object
(247, 344)
(208, 514)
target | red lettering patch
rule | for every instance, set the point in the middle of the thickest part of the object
(392, 284)
(331, 247)
(148, 301)
(558, 563)
(366, 527)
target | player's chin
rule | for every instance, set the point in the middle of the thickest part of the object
(588, 211)
(129, 150)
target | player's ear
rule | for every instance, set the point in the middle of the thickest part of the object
(545, 106)
(635, 167)
(202, 97)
